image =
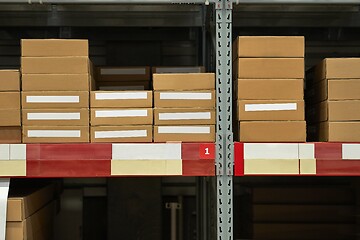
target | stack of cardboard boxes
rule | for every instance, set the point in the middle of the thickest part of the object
(184, 107)
(10, 120)
(269, 74)
(56, 78)
(333, 98)
(121, 116)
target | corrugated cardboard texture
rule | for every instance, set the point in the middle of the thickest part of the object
(35, 120)
(84, 134)
(336, 111)
(55, 82)
(178, 69)
(9, 100)
(344, 89)
(338, 68)
(54, 47)
(269, 68)
(121, 120)
(183, 121)
(271, 115)
(184, 137)
(9, 80)
(109, 129)
(273, 131)
(82, 95)
(269, 46)
(126, 76)
(10, 135)
(184, 103)
(121, 103)
(185, 81)
(10, 117)
(55, 65)
(123, 85)
(270, 89)
(339, 132)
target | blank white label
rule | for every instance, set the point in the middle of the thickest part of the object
(123, 71)
(54, 133)
(185, 116)
(52, 99)
(53, 116)
(271, 107)
(120, 113)
(121, 96)
(121, 134)
(184, 129)
(185, 96)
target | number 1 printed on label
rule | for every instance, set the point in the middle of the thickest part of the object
(207, 151)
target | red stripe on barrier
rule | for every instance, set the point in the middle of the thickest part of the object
(239, 159)
(328, 151)
(337, 168)
(199, 168)
(196, 151)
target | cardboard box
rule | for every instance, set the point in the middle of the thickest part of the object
(269, 68)
(194, 69)
(10, 135)
(118, 134)
(10, 117)
(54, 47)
(184, 81)
(270, 110)
(55, 65)
(184, 116)
(123, 74)
(193, 133)
(56, 82)
(270, 89)
(124, 86)
(269, 46)
(338, 68)
(121, 99)
(339, 132)
(55, 134)
(121, 116)
(9, 100)
(55, 117)
(273, 131)
(335, 111)
(9, 81)
(185, 99)
(55, 100)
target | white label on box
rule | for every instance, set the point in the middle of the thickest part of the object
(54, 133)
(121, 113)
(185, 116)
(121, 134)
(117, 88)
(184, 129)
(178, 70)
(121, 96)
(53, 116)
(185, 96)
(123, 71)
(271, 107)
(52, 99)
(155, 151)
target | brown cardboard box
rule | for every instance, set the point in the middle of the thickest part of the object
(335, 111)
(269, 68)
(10, 117)
(269, 46)
(184, 116)
(55, 99)
(124, 86)
(121, 116)
(190, 69)
(338, 68)
(54, 47)
(273, 131)
(185, 99)
(121, 99)
(189, 133)
(55, 82)
(139, 133)
(10, 135)
(123, 74)
(9, 81)
(55, 65)
(55, 117)
(55, 134)
(271, 110)
(184, 81)
(9, 100)
(339, 132)
(270, 89)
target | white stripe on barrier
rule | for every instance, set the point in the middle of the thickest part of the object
(271, 151)
(17, 151)
(306, 151)
(4, 151)
(168, 151)
(351, 151)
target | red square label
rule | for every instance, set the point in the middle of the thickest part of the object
(207, 151)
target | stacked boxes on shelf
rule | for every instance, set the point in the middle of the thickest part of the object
(121, 116)
(269, 74)
(184, 107)
(56, 79)
(332, 93)
(10, 120)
